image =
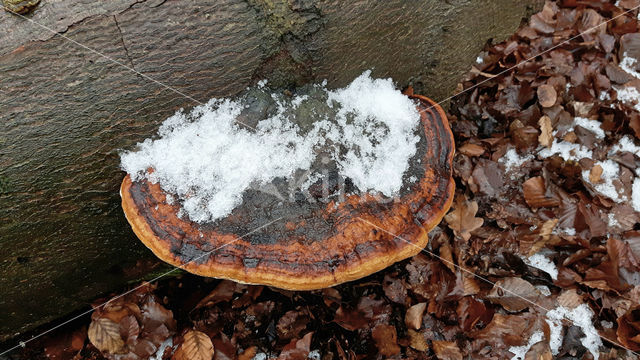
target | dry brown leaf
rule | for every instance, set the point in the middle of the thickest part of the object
(104, 334)
(471, 149)
(413, 317)
(462, 220)
(539, 351)
(196, 346)
(535, 193)
(570, 299)
(547, 95)
(546, 131)
(386, 339)
(514, 294)
(446, 350)
(417, 341)
(595, 175)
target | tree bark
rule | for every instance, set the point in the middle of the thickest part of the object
(67, 111)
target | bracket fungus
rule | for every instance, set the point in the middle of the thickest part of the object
(305, 243)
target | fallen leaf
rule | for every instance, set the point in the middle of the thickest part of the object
(595, 175)
(413, 317)
(462, 219)
(386, 339)
(534, 192)
(547, 95)
(196, 346)
(297, 349)
(446, 350)
(470, 149)
(417, 340)
(104, 334)
(546, 131)
(514, 294)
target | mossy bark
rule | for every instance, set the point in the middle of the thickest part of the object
(67, 111)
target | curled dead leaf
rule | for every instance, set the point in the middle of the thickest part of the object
(413, 317)
(534, 191)
(546, 131)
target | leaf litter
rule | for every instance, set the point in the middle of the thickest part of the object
(548, 175)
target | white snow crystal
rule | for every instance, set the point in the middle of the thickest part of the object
(612, 220)
(628, 64)
(629, 95)
(543, 263)
(581, 316)
(604, 96)
(626, 144)
(260, 356)
(610, 171)
(314, 355)
(207, 160)
(165, 344)
(635, 195)
(566, 150)
(521, 351)
(479, 60)
(512, 159)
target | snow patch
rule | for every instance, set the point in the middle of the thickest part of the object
(543, 263)
(635, 194)
(610, 171)
(581, 316)
(591, 125)
(207, 160)
(521, 351)
(512, 159)
(629, 95)
(160, 352)
(566, 150)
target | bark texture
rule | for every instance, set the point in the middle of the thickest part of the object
(66, 110)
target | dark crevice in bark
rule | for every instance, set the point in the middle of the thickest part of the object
(126, 51)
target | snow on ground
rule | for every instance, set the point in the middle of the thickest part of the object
(580, 316)
(521, 351)
(610, 172)
(543, 263)
(512, 160)
(208, 160)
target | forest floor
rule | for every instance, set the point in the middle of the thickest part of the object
(544, 232)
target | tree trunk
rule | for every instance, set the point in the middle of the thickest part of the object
(67, 111)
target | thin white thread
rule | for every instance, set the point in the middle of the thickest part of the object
(486, 280)
(24, 343)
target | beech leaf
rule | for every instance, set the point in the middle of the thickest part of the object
(196, 346)
(104, 334)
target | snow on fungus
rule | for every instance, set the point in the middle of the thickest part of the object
(295, 199)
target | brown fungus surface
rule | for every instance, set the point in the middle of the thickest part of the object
(305, 245)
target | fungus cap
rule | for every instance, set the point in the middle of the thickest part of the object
(332, 244)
